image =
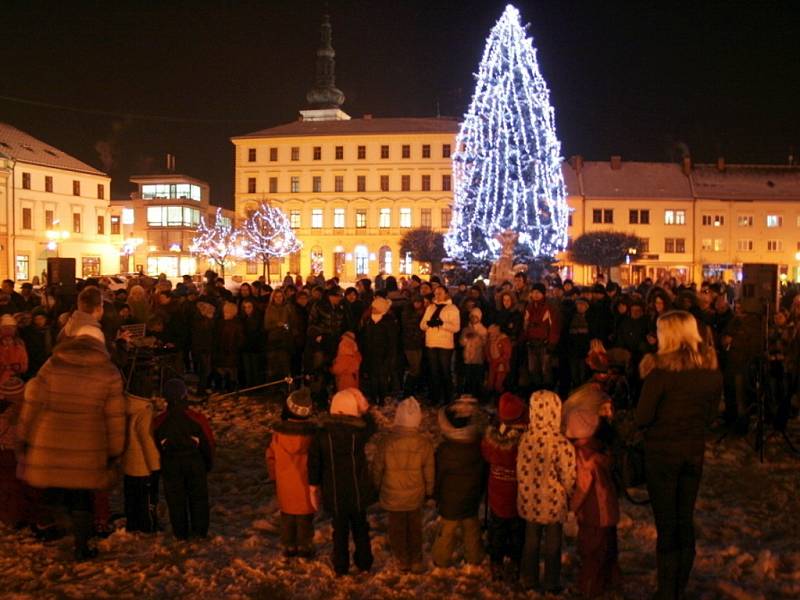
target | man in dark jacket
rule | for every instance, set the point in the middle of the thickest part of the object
(413, 342)
(337, 463)
(379, 341)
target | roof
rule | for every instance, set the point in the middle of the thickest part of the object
(368, 126)
(747, 182)
(166, 178)
(23, 147)
(570, 180)
(635, 180)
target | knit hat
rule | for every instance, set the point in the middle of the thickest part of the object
(538, 287)
(175, 391)
(381, 305)
(582, 423)
(408, 413)
(8, 321)
(299, 403)
(510, 408)
(350, 402)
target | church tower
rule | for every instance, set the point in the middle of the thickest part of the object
(325, 99)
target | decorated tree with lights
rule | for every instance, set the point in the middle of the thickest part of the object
(508, 160)
(268, 234)
(218, 243)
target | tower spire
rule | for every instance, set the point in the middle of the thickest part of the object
(325, 94)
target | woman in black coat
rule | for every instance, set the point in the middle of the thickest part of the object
(680, 397)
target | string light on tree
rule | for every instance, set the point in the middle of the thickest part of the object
(508, 160)
(269, 234)
(218, 243)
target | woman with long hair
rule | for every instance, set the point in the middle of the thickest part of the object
(680, 397)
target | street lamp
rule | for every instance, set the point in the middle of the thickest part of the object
(631, 252)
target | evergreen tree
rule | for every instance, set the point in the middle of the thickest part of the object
(508, 163)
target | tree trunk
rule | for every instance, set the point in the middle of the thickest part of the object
(269, 275)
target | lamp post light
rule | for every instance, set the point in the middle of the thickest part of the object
(628, 260)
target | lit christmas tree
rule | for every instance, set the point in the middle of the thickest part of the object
(218, 243)
(268, 234)
(508, 159)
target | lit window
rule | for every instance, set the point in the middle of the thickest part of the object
(744, 220)
(385, 218)
(101, 225)
(361, 218)
(744, 245)
(405, 217)
(775, 245)
(115, 225)
(362, 260)
(774, 220)
(425, 218)
(338, 218)
(674, 217)
(23, 267)
(90, 266)
(76, 222)
(127, 216)
(713, 220)
(316, 218)
(294, 219)
(295, 184)
(706, 244)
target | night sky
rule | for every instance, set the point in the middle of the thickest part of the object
(718, 78)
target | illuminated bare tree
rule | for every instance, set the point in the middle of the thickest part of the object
(218, 243)
(268, 234)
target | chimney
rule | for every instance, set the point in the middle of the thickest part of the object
(367, 116)
(687, 165)
(616, 162)
(721, 164)
(576, 162)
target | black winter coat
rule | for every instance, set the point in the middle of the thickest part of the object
(327, 321)
(413, 337)
(510, 323)
(253, 328)
(337, 462)
(379, 342)
(228, 343)
(460, 479)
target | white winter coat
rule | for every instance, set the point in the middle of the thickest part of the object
(141, 455)
(441, 337)
(545, 463)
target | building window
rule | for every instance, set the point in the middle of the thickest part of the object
(385, 259)
(644, 217)
(48, 219)
(295, 184)
(338, 218)
(603, 215)
(294, 219)
(405, 183)
(384, 151)
(405, 217)
(644, 245)
(406, 264)
(426, 183)
(26, 181)
(27, 218)
(251, 185)
(90, 266)
(425, 218)
(361, 183)
(273, 185)
(362, 260)
(569, 219)
(362, 152)
(339, 152)
(447, 216)
(182, 191)
(675, 245)
(706, 244)
(713, 220)
(361, 218)
(446, 183)
(385, 218)
(774, 220)
(674, 217)
(316, 184)
(744, 220)
(317, 152)
(384, 183)
(744, 245)
(101, 191)
(316, 218)
(295, 153)
(445, 150)
(639, 216)
(338, 183)
(251, 155)
(597, 215)
(76, 187)
(426, 151)
(173, 216)
(774, 245)
(115, 225)
(76, 222)
(101, 225)
(128, 216)
(273, 154)
(633, 216)
(23, 267)
(252, 267)
(48, 183)
(406, 153)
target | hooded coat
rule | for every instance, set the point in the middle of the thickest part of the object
(287, 465)
(73, 417)
(499, 449)
(460, 470)
(403, 469)
(346, 364)
(141, 456)
(545, 463)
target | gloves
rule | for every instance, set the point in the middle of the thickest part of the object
(437, 322)
(316, 496)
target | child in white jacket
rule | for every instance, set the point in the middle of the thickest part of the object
(545, 479)
(473, 341)
(139, 461)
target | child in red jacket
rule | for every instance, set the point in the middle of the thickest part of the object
(347, 362)
(498, 355)
(499, 449)
(595, 505)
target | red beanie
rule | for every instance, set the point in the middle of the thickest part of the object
(511, 408)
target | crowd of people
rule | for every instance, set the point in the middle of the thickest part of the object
(531, 381)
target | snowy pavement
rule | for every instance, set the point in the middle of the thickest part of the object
(748, 519)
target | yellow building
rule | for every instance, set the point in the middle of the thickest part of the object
(51, 205)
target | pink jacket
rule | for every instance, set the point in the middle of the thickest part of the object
(595, 500)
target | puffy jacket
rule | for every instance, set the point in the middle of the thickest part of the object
(545, 463)
(413, 336)
(73, 417)
(595, 500)
(542, 323)
(346, 364)
(183, 432)
(442, 336)
(337, 462)
(403, 469)
(287, 465)
(460, 471)
(379, 342)
(229, 338)
(141, 455)
(500, 451)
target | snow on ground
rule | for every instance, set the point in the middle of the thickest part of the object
(748, 519)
